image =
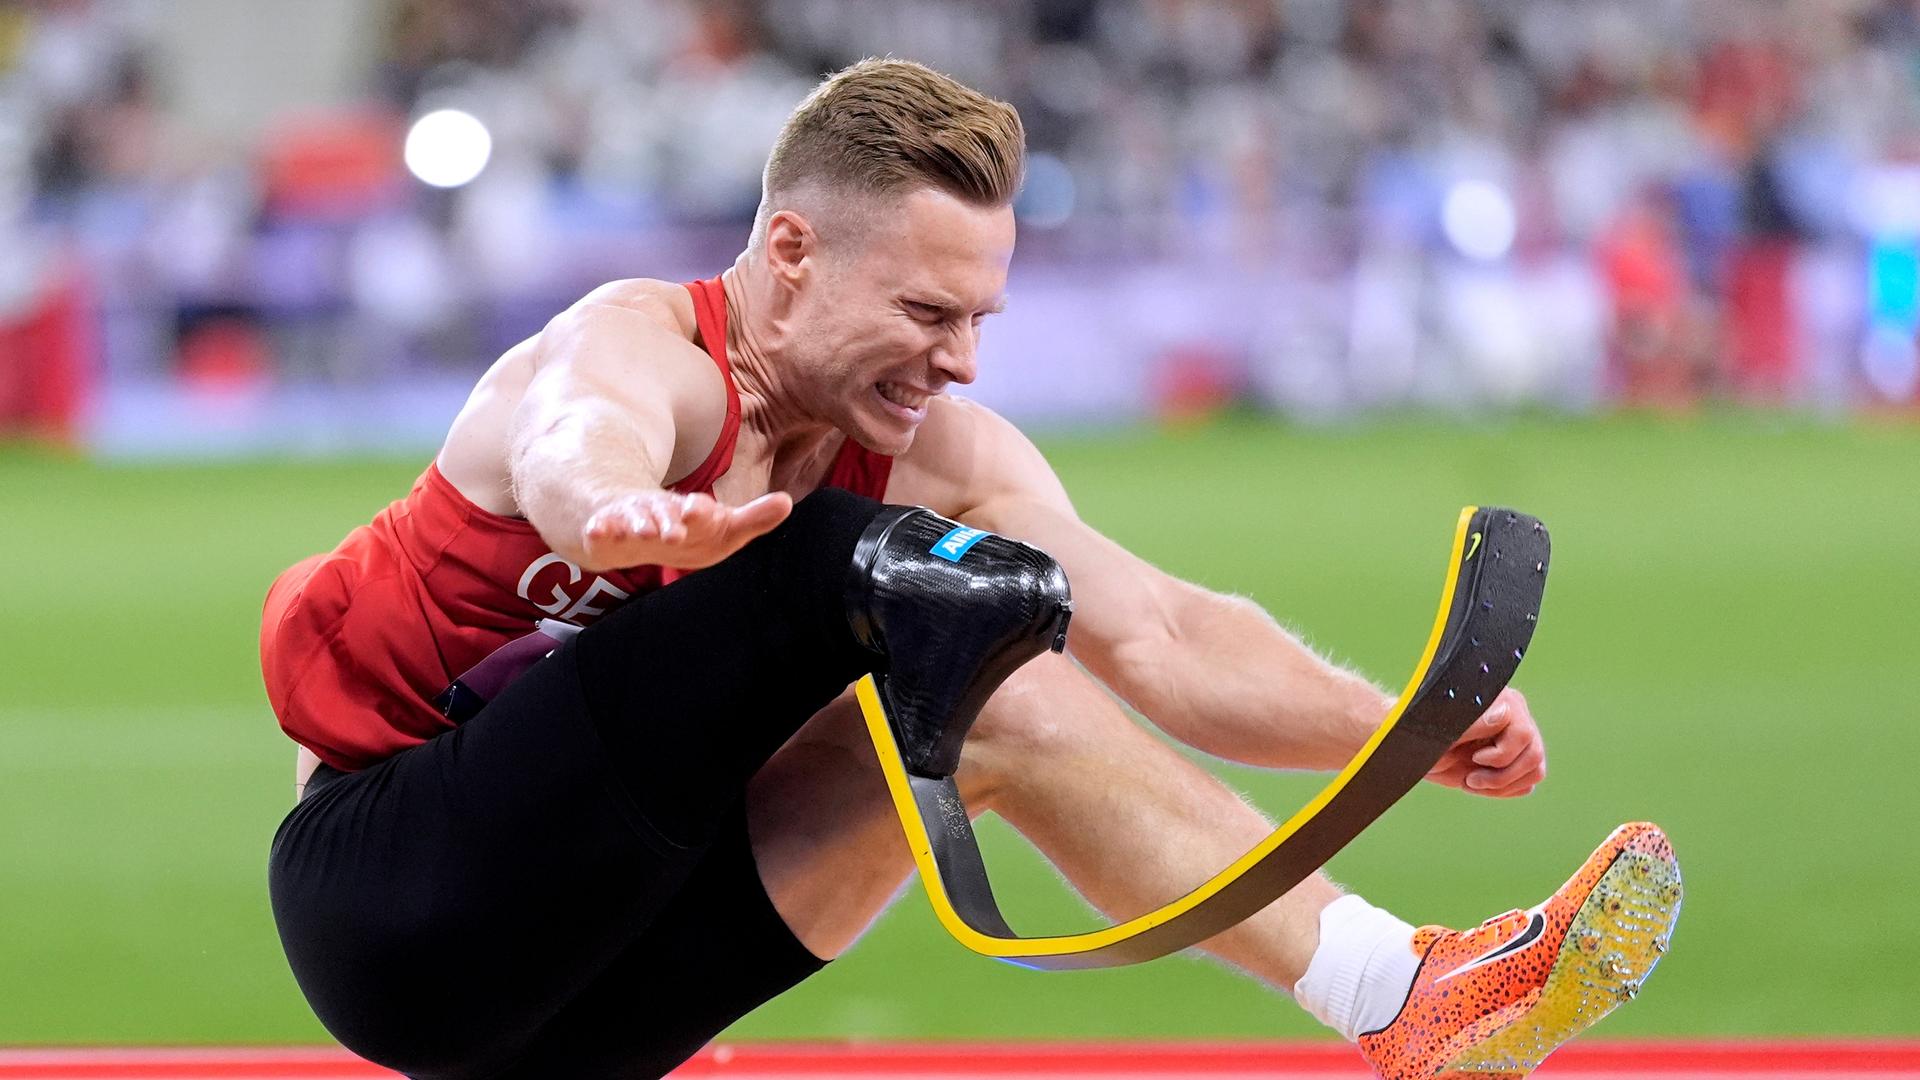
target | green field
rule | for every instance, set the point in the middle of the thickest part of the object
(1729, 647)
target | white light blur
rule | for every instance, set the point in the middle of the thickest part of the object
(1886, 201)
(448, 148)
(1891, 362)
(1479, 219)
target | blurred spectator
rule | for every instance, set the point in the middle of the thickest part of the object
(1723, 192)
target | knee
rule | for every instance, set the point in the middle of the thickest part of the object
(815, 542)
(1045, 716)
(829, 505)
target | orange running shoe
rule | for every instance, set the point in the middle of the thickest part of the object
(1497, 999)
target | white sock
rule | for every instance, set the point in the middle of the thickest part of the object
(1360, 974)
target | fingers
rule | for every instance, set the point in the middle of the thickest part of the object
(632, 519)
(667, 520)
(1455, 775)
(1515, 792)
(1501, 755)
(643, 518)
(1480, 737)
(1502, 751)
(621, 521)
(700, 513)
(686, 530)
(1451, 772)
(759, 516)
(703, 516)
(1487, 726)
(1526, 772)
(1517, 759)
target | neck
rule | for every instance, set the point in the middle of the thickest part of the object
(759, 340)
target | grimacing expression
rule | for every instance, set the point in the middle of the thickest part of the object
(895, 314)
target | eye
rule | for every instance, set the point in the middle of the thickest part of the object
(926, 312)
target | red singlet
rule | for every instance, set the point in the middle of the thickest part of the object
(354, 644)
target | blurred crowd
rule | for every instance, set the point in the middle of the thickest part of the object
(1579, 202)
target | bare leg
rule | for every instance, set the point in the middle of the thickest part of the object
(1131, 823)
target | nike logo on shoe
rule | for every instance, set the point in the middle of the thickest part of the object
(1535, 927)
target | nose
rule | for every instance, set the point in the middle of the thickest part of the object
(956, 358)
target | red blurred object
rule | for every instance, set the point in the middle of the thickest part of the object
(333, 165)
(46, 364)
(1745, 90)
(1641, 264)
(1192, 382)
(1760, 329)
(225, 356)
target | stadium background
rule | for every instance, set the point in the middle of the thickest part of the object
(1297, 279)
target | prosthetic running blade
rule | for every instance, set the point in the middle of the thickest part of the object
(1488, 610)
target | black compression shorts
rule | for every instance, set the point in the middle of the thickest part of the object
(562, 886)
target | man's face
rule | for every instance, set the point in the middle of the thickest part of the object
(893, 317)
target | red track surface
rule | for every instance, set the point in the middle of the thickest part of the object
(1035, 1061)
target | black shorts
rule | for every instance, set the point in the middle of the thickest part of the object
(562, 886)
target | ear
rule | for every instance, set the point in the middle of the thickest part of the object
(791, 241)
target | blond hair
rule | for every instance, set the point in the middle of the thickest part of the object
(886, 127)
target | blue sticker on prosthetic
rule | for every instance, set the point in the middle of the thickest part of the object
(955, 544)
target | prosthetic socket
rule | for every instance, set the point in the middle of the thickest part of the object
(952, 612)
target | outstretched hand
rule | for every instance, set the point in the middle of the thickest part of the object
(687, 532)
(1501, 756)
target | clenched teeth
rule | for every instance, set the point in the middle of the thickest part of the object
(906, 399)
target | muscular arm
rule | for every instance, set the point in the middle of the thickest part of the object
(1216, 672)
(597, 421)
(620, 404)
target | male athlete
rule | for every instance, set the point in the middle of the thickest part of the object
(591, 868)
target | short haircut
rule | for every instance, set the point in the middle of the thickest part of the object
(887, 127)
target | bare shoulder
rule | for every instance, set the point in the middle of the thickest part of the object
(964, 455)
(664, 302)
(627, 341)
(640, 308)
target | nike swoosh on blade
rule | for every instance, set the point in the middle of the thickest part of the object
(1535, 927)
